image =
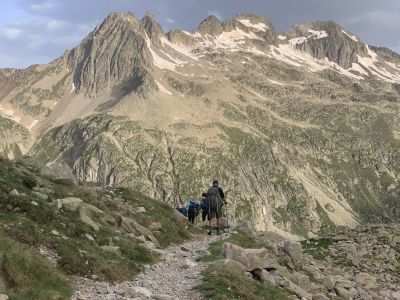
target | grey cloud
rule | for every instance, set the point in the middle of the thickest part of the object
(53, 26)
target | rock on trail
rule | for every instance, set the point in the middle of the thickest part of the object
(174, 277)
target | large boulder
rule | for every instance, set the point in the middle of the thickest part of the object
(298, 291)
(125, 224)
(69, 204)
(267, 279)
(224, 263)
(86, 212)
(60, 171)
(246, 227)
(343, 293)
(295, 252)
(137, 292)
(251, 259)
(131, 226)
(301, 280)
(146, 232)
(366, 280)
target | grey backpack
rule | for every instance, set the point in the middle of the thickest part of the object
(214, 199)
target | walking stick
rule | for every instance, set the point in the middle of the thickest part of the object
(227, 217)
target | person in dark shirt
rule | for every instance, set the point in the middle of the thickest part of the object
(204, 209)
(221, 192)
(215, 199)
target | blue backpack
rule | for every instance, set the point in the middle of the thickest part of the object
(183, 211)
(204, 204)
(193, 207)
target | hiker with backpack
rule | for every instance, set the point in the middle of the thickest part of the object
(216, 200)
(182, 210)
(204, 209)
(192, 210)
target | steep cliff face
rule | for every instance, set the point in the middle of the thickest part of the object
(13, 138)
(114, 55)
(328, 40)
(301, 127)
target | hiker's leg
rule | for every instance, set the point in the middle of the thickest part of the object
(204, 217)
(191, 218)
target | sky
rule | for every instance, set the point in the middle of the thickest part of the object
(38, 31)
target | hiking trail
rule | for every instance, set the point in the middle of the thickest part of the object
(173, 278)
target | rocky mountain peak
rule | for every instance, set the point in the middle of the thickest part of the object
(153, 30)
(211, 25)
(257, 24)
(254, 21)
(387, 53)
(327, 39)
(111, 54)
(117, 17)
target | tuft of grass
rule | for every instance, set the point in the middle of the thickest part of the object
(64, 232)
(230, 283)
(29, 275)
(317, 248)
(156, 211)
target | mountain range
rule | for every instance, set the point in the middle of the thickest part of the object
(301, 127)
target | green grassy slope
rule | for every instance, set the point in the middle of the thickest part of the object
(29, 222)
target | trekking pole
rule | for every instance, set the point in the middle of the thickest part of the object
(227, 218)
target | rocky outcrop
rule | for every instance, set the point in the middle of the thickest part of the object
(68, 204)
(362, 266)
(114, 56)
(260, 25)
(251, 259)
(14, 138)
(386, 53)
(152, 29)
(327, 39)
(211, 25)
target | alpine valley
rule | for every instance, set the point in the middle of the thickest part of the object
(302, 128)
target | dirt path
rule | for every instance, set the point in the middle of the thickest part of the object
(175, 277)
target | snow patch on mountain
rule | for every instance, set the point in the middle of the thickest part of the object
(357, 68)
(298, 40)
(258, 26)
(289, 55)
(162, 88)
(393, 65)
(370, 63)
(353, 37)
(277, 82)
(184, 50)
(316, 35)
(282, 38)
(161, 62)
(34, 122)
(231, 39)
(193, 35)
